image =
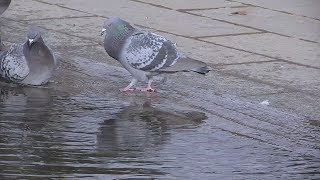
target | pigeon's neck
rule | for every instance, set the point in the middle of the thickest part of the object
(40, 62)
(115, 40)
(36, 52)
(27, 47)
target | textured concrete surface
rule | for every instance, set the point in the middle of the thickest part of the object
(275, 46)
(268, 20)
(308, 9)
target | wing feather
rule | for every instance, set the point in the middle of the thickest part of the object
(150, 52)
(13, 64)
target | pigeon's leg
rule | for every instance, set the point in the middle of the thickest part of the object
(128, 88)
(148, 88)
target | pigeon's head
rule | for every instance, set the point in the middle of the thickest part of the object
(115, 25)
(34, 34)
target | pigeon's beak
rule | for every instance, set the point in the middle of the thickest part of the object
(103, 31)
(30, 41)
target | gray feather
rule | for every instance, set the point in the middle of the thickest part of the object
(150, 52)
(188, 64)
(13, 66)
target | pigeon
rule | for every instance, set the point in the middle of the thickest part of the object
(145, 54)
(30, 63)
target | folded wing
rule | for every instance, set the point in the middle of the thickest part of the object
(150, 52)
(13, 65)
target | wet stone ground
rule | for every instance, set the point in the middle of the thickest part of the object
(194, 127)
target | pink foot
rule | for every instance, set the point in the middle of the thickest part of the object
(147, 89)
(126, 89)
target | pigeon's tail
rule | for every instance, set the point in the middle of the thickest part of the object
(188, 64)
(202, 70)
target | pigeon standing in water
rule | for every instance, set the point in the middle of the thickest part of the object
(145, 54)
(30, 63)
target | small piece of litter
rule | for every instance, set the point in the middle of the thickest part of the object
(242, 13)
(265, 102)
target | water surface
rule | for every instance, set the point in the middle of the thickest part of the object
(50, 134)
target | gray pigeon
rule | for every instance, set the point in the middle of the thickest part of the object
(30, 63)
(145, 54)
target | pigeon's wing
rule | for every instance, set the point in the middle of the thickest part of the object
(149, 52)
(13, 64)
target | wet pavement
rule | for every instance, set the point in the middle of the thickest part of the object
(194, 126)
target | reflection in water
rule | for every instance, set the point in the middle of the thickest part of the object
(48, 134)
(137, 133)
(25, 102)
(25, 127)
(141, 128)
(43, 132)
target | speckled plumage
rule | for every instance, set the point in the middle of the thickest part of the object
(149, 52)
(13, 64)
(145, 54)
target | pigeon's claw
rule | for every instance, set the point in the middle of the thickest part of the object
(126, 89)
(147, 89)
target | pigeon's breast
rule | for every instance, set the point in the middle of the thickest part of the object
(42, 63)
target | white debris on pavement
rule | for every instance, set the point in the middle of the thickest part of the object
(265, 102)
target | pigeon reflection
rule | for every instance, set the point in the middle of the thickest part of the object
(28, 118)
(22, 104)
(29, 124)
(140, 128)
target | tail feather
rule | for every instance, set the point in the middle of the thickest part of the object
(202, 70)
(186, 65)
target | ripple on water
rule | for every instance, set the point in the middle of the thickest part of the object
(43, 131)
(49, 134)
